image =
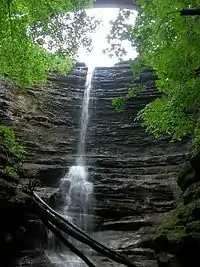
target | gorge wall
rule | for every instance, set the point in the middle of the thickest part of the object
(134, 176)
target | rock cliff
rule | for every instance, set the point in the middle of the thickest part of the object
(47, 119)
(179, 233)
(18, 224)
(134, 176)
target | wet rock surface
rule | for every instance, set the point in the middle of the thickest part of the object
(30, 258)
(16, 221)
(47, 119)
(179, 233)
(134, 176)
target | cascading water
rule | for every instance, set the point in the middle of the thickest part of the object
(74, 186)
(85, 114)
(75, 189)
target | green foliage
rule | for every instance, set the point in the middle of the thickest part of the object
(118, 103)
(28, 27)
(172, 227)
(120, 31)
(182, 221)
(12, 149)
(169, 43)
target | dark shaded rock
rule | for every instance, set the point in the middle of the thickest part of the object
(48, 194)
(80, 64)
(134, 176)
(195, 163)
(18, 225)
(192, 193)
(186, 250)
(3, 160)
(165, 259)
(48, 175)
(186, 178)
(126, 225)
(182, 227)
(47, 118)
(7, 190)
(190, 174)
(179, 223)
(32, 258)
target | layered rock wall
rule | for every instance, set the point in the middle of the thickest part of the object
(47, 120)
(134, 176)
(17, 224)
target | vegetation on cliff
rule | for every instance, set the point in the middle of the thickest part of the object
(11, 150)
(168, 42)
(179, 232)
(41, 36)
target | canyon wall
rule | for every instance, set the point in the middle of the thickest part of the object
(134, 176)
(47, 119)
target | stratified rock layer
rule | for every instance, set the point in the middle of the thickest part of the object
(134, 176)
(179, 233)
(48, 119)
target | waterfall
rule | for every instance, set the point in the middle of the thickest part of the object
(85, 114)
(75, 189)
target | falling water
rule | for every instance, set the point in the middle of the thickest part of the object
(74, 186)
(85, 114)
(75, 189)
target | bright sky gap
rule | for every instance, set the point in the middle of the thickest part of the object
(99, 41)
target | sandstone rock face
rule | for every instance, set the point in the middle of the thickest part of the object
(12, 210)
(179, 233)
(47, 119)
(134, 176)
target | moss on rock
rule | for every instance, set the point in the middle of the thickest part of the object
(186, 178)
(12, 151)
(179, 232)
(180, 222)
(193, 227)
(192, 193)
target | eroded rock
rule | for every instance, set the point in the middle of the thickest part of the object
(134, 176)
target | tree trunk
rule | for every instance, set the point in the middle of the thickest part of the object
(47, 214)
(190, 12)
(61, 237)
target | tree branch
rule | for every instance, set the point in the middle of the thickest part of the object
(47, 213)
(60, 236)
(190, 12)
(9, 15)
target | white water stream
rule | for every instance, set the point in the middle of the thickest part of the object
(75, 189)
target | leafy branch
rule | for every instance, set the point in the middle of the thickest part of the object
(41, 36)
(171, 48)
(13, 150)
